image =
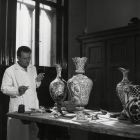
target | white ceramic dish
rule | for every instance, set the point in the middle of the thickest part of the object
(70, 115)
(80, 121)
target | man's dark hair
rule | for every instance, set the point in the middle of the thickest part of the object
(23, 49)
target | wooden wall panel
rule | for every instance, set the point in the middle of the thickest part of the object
(107, 51)
(97, 95)
(95, 52)
(121, 51)
(137, 58)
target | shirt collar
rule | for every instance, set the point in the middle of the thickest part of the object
(17, 67)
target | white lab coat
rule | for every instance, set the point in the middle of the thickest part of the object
(14, 77)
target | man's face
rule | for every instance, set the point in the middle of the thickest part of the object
(24, 59)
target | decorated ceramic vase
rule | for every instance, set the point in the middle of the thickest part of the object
(123, 86)
(58, 88)
(133, 109)
(129, 94)
(79, 86)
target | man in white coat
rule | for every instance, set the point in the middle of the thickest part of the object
(20, 82)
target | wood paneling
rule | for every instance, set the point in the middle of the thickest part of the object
(4, 103)
(106, 51)
(95, 52)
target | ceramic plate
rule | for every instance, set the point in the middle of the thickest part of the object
(70, 115)
(36, 114)
(80, 121)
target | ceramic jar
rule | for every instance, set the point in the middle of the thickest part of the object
(79, 86)
(129, 95)
(58, 88)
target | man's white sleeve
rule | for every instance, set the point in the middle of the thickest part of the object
(7, 86)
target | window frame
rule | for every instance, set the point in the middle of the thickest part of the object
(61, 7)
(8, 31)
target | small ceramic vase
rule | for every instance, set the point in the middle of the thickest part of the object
(122, 87)
(58, 88)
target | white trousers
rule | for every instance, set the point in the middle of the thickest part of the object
(17, 130)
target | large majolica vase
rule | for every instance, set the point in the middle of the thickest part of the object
(129, 95)
(58, 89)
(79, 86)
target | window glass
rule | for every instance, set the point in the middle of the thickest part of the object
(44, 37)
(25, 30)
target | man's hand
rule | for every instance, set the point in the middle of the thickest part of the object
(40, 77)
(22, 89)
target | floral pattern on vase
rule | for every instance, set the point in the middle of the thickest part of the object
(79, 86)
(129, 94)
(123, 86)
(133, 109)
(58, 88)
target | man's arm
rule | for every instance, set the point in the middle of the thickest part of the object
(7, 86)
(38, 78)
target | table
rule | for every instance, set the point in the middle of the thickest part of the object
(109, 126)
